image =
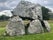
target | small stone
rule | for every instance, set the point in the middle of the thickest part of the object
(47, 26)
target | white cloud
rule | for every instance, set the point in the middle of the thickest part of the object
(6, 12)
(46, 2)
(13, 3)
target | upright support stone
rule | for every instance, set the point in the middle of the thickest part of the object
(47, 26)
(15, 27)
(35, 27)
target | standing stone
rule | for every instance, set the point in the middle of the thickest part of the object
(47, 26)
(28, 9)
(35, 27)
(15, 27)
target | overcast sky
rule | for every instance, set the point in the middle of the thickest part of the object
(11, 4)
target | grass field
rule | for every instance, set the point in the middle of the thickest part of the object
(43, 36)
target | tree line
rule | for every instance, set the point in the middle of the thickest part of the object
(45, 13)
(3, 17)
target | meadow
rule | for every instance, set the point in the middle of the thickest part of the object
(42, 36)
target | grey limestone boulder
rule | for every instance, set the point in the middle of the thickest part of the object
(35, 27)
(28, 9)
(47, 26)
(15, 27)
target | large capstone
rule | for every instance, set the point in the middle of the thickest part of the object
(28, 9)
(35, 27)
(15, 27)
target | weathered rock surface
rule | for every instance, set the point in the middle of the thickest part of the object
(47, 26)
(15, 27)
(28, 9)
(27, 20)
(35, 27)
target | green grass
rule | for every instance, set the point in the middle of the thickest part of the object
(43, 36)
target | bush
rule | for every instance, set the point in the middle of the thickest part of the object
(45, 13)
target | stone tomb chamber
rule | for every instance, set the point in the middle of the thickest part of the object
(27, 19)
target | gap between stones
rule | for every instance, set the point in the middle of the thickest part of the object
(27, 25)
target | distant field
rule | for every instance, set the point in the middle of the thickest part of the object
(43, 36)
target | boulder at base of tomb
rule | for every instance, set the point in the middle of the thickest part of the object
(47, 26)
(15, 27)
(35, 27)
